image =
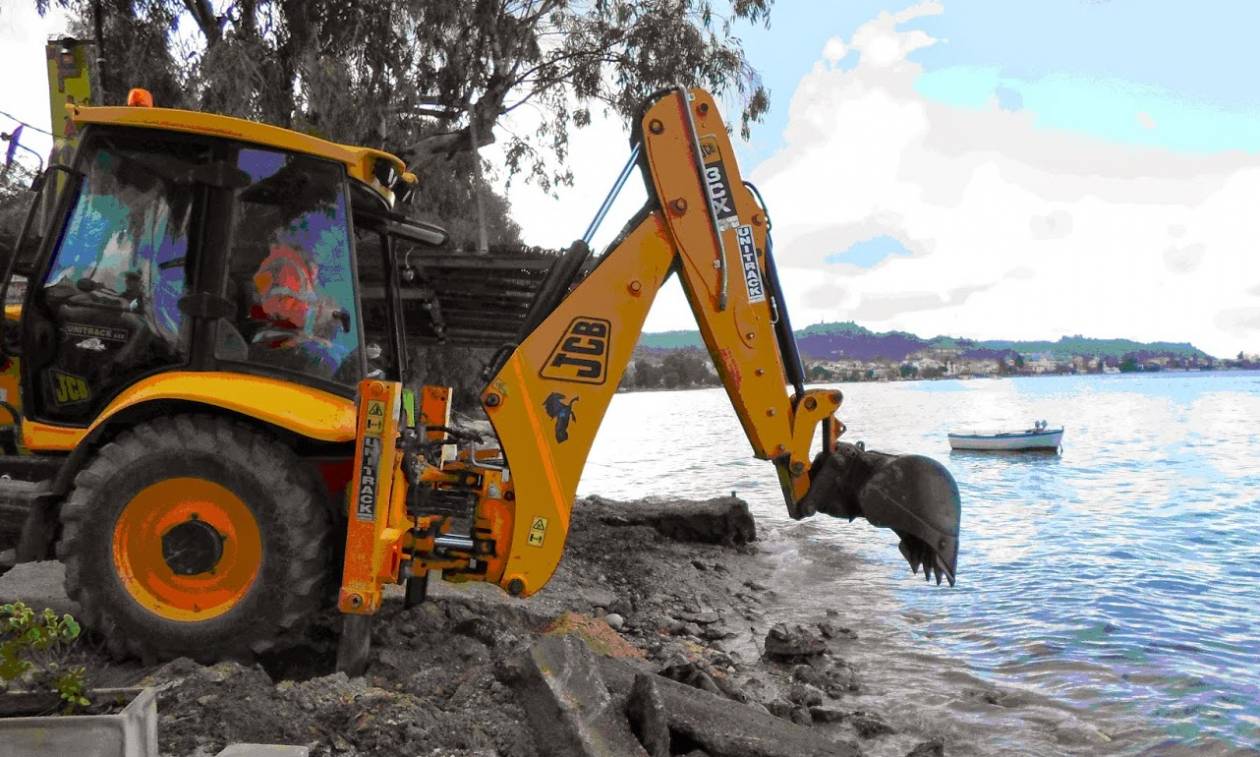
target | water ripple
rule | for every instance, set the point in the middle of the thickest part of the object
(1110, 592)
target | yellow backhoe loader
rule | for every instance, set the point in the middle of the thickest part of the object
(214, 450)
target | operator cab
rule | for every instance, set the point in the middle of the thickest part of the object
(171, 250)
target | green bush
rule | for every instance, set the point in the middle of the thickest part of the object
(34, 653)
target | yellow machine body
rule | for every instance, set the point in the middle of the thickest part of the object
(547, 400)
(422, 496)
(360, 162)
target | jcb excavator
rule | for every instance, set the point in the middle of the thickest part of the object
(211, 446)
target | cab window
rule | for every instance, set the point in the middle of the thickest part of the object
(290, 270)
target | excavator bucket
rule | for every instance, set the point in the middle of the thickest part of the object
(913, 495)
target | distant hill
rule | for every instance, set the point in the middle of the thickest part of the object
(831, 341)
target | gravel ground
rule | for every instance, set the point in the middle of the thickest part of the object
(632, 584)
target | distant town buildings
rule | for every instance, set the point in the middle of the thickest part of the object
(950, 363)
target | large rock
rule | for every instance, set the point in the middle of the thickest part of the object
(647, 715)
(723, 728)
(723, 520)
(568, 705)
(793, 643)
(933, 748)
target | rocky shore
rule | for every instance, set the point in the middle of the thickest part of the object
(653, 638)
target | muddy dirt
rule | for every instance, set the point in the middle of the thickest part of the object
(441, 678)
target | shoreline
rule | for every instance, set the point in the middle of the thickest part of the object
(1178, 371)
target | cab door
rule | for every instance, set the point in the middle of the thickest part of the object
(290, 274)
(106, 310)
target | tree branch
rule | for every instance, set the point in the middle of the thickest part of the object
(206, 20)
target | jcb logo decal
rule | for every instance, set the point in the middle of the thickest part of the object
(69, 389)
(582, 353)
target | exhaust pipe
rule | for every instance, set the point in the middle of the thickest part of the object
(913, 495)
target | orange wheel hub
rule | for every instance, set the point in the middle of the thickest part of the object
(187, 549)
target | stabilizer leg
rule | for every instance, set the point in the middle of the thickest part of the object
(355, 645)
(417, 590)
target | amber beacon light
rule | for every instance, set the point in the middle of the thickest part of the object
(140, 98)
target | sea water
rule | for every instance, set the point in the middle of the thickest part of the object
(1108, 598)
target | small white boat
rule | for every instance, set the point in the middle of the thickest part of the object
(1039, 437)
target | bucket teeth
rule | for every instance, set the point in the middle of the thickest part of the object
(920, 555)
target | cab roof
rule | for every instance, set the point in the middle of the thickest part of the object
(360, 162)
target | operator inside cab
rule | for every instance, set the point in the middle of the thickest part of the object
(298, 322)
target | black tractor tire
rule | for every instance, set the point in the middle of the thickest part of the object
(284, 495)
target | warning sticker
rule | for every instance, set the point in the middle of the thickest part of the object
(376, 417)
(537, 530)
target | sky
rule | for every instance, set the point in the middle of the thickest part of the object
(990, 169)
(976, 168)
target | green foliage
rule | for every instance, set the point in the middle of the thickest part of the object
(458, 367)
(678, 370)
(424, 78)
(445, 197)
(1069, 346)
(1062, 349)
(34, 650)
(15, 197)
(819, 373)
(826, 329)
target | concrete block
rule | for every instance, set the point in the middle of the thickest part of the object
(648, 718)
(263, 750)
(39, 585)
(568, 705)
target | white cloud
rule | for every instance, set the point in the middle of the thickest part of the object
(882, 46)
(834, 51)
(1015, 231)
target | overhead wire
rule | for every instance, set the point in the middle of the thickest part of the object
(12, 117)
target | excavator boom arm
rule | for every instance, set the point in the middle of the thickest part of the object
(547, 400)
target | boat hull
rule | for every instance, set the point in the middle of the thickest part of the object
(1037, 440)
